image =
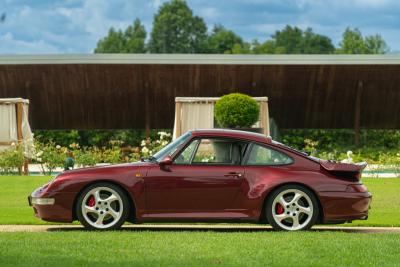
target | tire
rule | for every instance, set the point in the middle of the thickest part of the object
(292, 208)
(102, 206)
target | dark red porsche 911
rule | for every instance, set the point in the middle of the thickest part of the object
(210, 175)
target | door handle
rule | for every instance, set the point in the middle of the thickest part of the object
(234, 174)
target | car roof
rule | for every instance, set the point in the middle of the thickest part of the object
(233, 134)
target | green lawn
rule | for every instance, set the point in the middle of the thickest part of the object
(199, 249)
(14, 198)
(15, 210)
(385, 207)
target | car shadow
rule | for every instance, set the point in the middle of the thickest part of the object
(213, 228)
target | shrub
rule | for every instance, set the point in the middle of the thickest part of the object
(111, 155)
(377, 146)
(60, 137)
(50, 156)
(93, 138)
(236, 110)
(11, 159)
(85, 157)
(150, 147)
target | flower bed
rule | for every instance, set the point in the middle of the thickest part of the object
(51, 156)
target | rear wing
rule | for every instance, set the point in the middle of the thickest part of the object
(348, 171)
(342, 167)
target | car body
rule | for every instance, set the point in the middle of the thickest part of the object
(212, 175)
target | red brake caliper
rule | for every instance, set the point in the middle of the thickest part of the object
(91, 201)
(279, 209)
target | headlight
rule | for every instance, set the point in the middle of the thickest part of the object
(42, 201)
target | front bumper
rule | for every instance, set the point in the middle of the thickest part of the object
(52, 206)
(344, 206)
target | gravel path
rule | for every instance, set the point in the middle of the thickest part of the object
(192, 227)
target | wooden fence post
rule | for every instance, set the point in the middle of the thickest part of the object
(19, 108)
(357, 113)
(147, 110)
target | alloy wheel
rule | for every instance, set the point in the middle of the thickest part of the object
(102, 207)
(292, 209)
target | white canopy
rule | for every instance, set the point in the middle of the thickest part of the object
(14, 122)
(198, 113)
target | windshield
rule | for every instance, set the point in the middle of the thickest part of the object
(172, 147)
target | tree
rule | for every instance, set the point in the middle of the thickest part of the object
(244, 48)
(375, 44)
(313, 43)
(288, 40)
(354, 43)
(222, 41)
(132, 40)
(177, 30)
(293, 40)
(135, 38)
(112, 43)
(268, 47)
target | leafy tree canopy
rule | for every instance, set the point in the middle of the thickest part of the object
(354, 43)
(293, 40)
(132, 40)
(223, 41)
(177, 30)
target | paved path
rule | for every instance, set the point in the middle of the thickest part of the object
(193, 227)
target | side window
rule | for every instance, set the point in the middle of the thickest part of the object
(219, 151)
(213, 151)
(186, 155)
(260, 155)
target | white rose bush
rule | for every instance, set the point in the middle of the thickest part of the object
(50, 156)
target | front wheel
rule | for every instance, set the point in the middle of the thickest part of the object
(102, 206)
(291, 208)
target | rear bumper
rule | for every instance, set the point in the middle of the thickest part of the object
(344, 206)
(59, 211)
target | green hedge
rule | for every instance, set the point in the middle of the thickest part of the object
(339, 138)
(376, 146)
(98, 138)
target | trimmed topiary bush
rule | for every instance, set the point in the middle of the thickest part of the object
(236, 111)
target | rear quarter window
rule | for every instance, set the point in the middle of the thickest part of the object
(261, 155)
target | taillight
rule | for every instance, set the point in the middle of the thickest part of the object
(356, 188)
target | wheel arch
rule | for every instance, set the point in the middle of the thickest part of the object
(132, 211)
(321, 213)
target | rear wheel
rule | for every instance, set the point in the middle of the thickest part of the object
(102, 206)
(291, 208)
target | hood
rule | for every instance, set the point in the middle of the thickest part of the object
(107, 167)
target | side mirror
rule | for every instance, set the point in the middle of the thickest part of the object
(165, 163)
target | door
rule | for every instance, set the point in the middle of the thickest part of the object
(203, 180)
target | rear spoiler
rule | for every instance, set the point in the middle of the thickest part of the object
(348, 171)
(342, 167)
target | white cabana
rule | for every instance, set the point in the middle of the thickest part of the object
(198, 113)
(14, 124)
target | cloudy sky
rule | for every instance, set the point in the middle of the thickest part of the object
(74, 26)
